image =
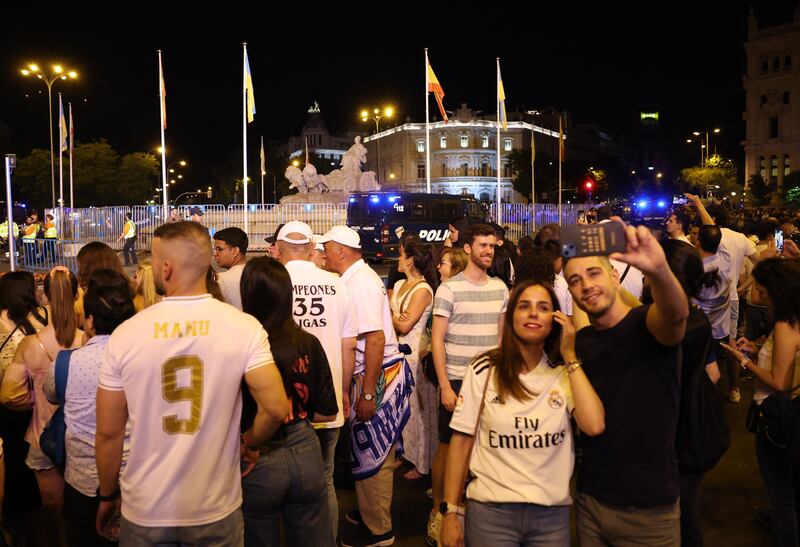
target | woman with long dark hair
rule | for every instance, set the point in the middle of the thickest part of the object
(411, 303)
(698, 356)
(777, 285)
(519, 399)
(30, 367)
(95, 255)
(287, 481)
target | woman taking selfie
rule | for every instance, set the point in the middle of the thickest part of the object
(519, 402)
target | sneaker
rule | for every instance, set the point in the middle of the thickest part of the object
(434, 528)
(354, 517)
(734, 396)
(429, 493)
(367, 539)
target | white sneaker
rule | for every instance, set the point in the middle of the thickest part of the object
(434, 528)
(734, 396)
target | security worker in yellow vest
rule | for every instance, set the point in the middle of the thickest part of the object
(129, 235)
(50, 237)
(4, 230)
(29, 240)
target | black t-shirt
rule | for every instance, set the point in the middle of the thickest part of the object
(308, 383)
(633, 462)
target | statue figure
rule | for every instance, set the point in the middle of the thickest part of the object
(314, 182)
(355, 156)
(295, 177)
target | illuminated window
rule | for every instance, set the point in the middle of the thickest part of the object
(485, 141)
(420, 145)
(508, 144)
(774, 171)
(443, 141)
(786, 165)
(420, 170)
(464, 141)
(762, 167)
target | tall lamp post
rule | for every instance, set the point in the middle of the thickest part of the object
(170, 169)
(704, 156)
(376, 115)
(58, 73)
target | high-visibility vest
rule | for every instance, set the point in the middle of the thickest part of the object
(50, 231)
(4, 230)
(130, 229)
(30, 231)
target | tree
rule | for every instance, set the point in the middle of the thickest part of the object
(31, 181)
(758, 190)
(717, 172)
(546, 176)
(791, 187)
(137, 173)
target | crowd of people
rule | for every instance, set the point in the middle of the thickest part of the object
(204, 400)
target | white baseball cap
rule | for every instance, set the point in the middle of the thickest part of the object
(317, 239)
(295, 227)
(343, 235)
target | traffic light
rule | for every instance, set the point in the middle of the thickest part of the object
(588, 185)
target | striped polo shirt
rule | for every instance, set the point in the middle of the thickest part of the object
(473, 312)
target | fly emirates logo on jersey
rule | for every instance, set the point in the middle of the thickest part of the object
(526, 433)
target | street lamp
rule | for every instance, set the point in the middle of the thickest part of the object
(376, 115)
(58, 73)
(704, 148)
(170, 169)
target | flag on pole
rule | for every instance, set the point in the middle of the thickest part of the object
(533, 147)
(560, 140)
(501, 99)
(71, 130)
(263, 158)
(438, 91)
(62, 126)
(248, 84)
(162, 93)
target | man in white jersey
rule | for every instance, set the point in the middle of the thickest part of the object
(175, 370)
(467, 320)
(230, 251)
(323, 308)
(380, 391)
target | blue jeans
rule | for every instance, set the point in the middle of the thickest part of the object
(327, 440)
(516, 524)
(288, 483)
(780, 479)
(223, 533)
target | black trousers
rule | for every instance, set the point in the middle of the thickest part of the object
(80, 513)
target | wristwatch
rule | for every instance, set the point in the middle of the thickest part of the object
(368, 396)
(111, 497)
(446, 508)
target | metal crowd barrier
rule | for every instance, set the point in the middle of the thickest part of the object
(37, 255)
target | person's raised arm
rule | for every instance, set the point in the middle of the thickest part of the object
(666, 317)
(266, 387)
(701, 209)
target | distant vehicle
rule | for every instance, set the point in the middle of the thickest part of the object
(646, 208)
(379, 217)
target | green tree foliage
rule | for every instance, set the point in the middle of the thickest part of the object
(791, 187)
(758, 191)
(100, 177)
(717, 172)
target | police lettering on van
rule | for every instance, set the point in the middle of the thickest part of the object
(380, 218)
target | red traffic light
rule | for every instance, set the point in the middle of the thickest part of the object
(589, 185)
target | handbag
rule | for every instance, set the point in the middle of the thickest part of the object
(777, 419)
(51, 441)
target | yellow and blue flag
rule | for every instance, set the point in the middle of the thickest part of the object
(248, 85)
(501, 100)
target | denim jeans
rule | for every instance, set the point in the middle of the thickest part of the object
(780, 476)
(288, 483)
(516, 524)
(327, 441)
(223, 533)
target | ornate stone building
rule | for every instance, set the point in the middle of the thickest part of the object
(772, 96)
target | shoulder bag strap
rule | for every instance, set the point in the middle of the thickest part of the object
(61, 374)
(477, 426)
(625, 273)
(408, 293)
(41, 344)
(9, 337)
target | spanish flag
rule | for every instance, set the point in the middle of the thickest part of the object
(436, 88)
(501, 99)
(62, 126)
(162, 92)
(248, 84)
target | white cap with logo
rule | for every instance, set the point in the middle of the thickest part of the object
(296, 227)
(343, 235)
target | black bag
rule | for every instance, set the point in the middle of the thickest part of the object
(777, 418)
(703, 432)
(429, 370)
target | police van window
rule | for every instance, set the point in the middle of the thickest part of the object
(417, 210)
(356, 208)
(438, 210)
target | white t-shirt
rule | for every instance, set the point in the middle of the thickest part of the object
(634, 279)
(373, 312)
(734, 247)
(561, 288)
(180, 363)
(323, 308)
(524, 452)
(229, 283)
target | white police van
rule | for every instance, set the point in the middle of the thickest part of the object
(378, 217)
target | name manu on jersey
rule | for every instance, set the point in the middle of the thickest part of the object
(183, 329)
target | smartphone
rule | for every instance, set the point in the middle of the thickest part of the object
(779, 240)
(592, 239)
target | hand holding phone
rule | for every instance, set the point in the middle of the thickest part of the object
(779, 240)
(592, 239)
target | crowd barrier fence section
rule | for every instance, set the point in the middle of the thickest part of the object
(42, 255)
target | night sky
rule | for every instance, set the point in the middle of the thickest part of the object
(602, 63)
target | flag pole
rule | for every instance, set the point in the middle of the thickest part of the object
(244, 130)
(560, 159)
(499, 196)
(427, 128)
(163, 105)
(71, 157)
(61, 141)
(263, 171)
(533, 176)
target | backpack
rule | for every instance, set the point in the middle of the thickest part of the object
(703, 433)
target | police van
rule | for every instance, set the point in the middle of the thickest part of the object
(379, 218)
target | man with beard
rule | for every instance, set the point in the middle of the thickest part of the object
(175, 370)
(628, 478)
(468, 310)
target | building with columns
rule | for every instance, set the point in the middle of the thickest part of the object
(463, 154)
(772, 97)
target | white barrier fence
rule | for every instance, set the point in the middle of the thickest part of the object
(106, 223)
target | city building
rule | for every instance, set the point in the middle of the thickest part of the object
(321, 142)
(772, 94)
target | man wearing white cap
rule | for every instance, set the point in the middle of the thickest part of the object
(323, 308)
(379, 393)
